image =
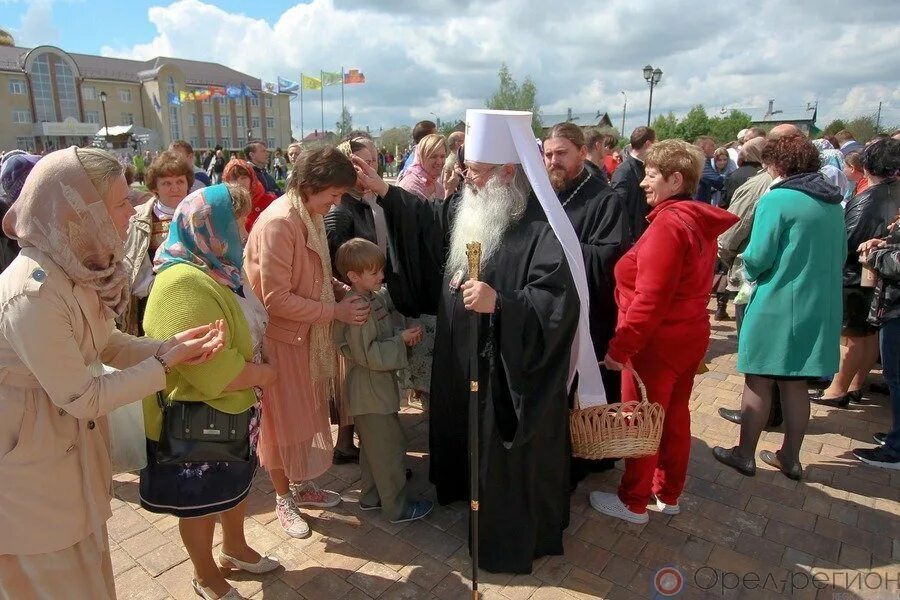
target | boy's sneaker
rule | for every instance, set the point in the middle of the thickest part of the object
(309, 494)
(878, 457)
(666, 509)
(414, 511)
(610, 504)
(364, 506)
(289, 517)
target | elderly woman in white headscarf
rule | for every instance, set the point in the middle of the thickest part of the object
(833, 166)
(58, 300)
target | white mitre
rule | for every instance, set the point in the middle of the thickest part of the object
(501, 137)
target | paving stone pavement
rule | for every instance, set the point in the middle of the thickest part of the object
(736, 537)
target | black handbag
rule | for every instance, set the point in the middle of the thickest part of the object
(195, 432)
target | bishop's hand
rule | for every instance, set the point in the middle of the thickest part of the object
(367, 177)
(479, 297)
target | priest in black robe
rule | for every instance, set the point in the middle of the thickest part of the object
(528, 308)
(598, 219)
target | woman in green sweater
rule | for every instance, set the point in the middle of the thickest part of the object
(199, 280)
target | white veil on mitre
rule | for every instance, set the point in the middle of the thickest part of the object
(500, 137)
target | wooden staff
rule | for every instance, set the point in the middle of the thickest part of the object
(473, 253)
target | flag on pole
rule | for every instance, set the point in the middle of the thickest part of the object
(186, 96)
(216, 90)
(268, 87)
(174, 99)
(287, 86)
(234, 91)
(310, 83)
(331, 78)
(248, 93)
(202, 94)
(354, 76)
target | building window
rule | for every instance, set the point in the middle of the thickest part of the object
(238, 102)
(88, 92)
(195, 142)
(270, 122)
(170, 84)
(254, 122)
(207, 120)
(92, 116)
(209, 142)
(270, 142)
(241, 122)
(42, 90)
(225, 121)
(16, 86)
(66, 91)
(254, 101)
(25, 143)
(127, 118)
(226, 143)
(268, 101)
(125, 96)
(192, 120)
(222, 99)
(21, 115)
(174, 123)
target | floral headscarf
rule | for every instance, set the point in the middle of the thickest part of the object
(204, 233)
(60, 213)
(828, 155)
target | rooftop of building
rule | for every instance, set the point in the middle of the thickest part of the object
(12, 58)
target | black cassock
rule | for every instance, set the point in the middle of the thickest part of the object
(524, 349)
(599, 222)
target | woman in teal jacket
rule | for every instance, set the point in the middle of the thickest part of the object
(791, 328)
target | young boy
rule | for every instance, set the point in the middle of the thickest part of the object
(374, 353)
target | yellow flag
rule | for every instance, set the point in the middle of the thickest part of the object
(310, 83)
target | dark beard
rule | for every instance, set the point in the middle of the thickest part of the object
(558, 179)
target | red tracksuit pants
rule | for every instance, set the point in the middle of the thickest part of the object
(662, 474)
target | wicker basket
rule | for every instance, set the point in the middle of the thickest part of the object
(624, 430)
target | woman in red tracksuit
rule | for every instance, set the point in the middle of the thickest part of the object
(662, 291)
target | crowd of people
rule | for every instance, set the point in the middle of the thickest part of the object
(264, 315)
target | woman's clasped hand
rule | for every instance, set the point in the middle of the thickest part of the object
(194, 346)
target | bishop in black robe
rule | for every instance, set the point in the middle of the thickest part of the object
(524, 350)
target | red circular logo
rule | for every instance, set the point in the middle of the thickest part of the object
(668, 581)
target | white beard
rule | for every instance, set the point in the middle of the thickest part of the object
(484, 216)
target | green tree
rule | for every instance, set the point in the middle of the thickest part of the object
(665, 126)
(512, 96)
(863, 128)
(345, 125)
(725, 129)
(833, 127)
(694, 124)
(397, 138)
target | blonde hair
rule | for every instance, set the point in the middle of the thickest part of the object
(430, 144)
(240, 199)
(359, 256)
(100, 167)
(677, 156)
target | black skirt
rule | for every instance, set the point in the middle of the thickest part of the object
(857, 302)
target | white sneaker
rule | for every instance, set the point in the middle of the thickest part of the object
(666, 509)
(289, 517)
(609, 504)
(309, 494)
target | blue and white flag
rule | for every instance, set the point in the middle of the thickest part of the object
(287, 86)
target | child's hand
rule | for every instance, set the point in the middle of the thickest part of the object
(412, 336)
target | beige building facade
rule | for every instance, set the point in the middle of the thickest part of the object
(51, 99)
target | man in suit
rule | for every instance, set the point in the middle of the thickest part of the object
(848, 144)
(626, 182)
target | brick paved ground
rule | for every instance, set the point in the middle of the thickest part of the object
(842, 521)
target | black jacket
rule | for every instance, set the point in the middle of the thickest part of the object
(598, 172)
(866, 217)
(626, 183)
(351, 218)
(886, 262)
(736, 179)
(267, 181)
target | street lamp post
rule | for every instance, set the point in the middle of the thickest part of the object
(624, 108)
(249, 135)
(105, 124)
(652, 76)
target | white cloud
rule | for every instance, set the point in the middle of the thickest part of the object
(36, 26)
(443, 56)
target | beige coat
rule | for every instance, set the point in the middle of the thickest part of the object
(54, 458)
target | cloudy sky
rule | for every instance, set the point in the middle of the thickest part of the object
(441, 56)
